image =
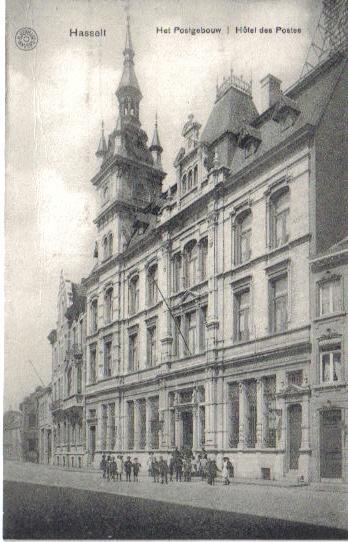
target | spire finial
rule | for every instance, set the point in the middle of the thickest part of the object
(102, 148)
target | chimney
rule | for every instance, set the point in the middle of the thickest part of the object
(270, 91)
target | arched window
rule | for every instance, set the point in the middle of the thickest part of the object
(184, 185)
(94, 315)
(134, 295)
(105, 248)
(279, 206)
(79, 379)
(108, 305)
(243, 238)
(177, 265)
(190, 255)
(195, 176)
(203, 245)
(152, 291)
(106, 193)
(189, 180)
(69, 382)
(110, 244)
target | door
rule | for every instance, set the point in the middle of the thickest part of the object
(330, 444)
(187, 429)
(295, 434)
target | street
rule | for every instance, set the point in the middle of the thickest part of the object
(44, 502)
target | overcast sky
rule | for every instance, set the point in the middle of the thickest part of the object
(57, 96)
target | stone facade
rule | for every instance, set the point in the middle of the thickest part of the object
(29, 426)
(45, 426)
(12, 445)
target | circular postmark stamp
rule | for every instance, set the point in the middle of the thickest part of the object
(26, 39)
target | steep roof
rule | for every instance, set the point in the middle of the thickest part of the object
(234, 108)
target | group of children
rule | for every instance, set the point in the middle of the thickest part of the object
(180, 465)
(113, 469)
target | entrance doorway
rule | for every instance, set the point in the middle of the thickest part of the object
(330, 444)
(187, 429)
(295, 434)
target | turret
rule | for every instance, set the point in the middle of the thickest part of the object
(156, 148)
(102, 147)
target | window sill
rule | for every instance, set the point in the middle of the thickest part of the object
(330, 315)
(329, 386)
(273, 251)
(184, 196)
(92, 334)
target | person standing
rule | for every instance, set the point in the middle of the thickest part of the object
(108, 468)
(155, 470)
(128, 469)
(163, 470)
(171, 467)
(203, 467)
(178, 468)
(103, 465)
(150, 464)
(225, 472)
(119, 463)
(136, 469)
(113, 469)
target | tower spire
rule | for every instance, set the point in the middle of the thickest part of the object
(102, 147)
(156, 147)
(128, 91)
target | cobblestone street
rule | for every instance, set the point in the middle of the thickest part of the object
(294, 504)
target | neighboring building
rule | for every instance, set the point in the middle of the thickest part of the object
(198, 305)
(12, 445)
(29, 428)
(67, 406)
(45, 426)
(329, 375)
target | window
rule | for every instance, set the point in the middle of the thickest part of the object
(243, 238)
(202, 325)
(242, 315)
(189, 180)
(69, 382)
(191, 331)
(79, 379)
(233, 437)
(204, 257)
(110, 244)
(176, 272)
(112, 426)
(152, 285)
(107, 358)
(133, 352)
(151, 346)
(130, 424)
(190, 264)
(195, 176)
(279, 304)
(184, 184)
(279, 219)
(177, 336)
(92, 365)
(134, 295)
(105, 193)
(330, 363)
(250, 389)
(32, 420)
(94, 316)
(271, 421)
(108, 305)
(330, 299)
(105, 248)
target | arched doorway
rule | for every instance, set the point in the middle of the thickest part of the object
(294, 434)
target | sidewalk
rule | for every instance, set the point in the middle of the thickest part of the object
(301, 504)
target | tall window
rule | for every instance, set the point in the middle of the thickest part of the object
(330, 363)
(105, 248)
(184, 184)
(191, 331)
(204, 257)
(202, 328)
(133, 352)
(134, 295)
(270, 418)
(279, 304)
(130, 424)
(233, 436)
(79, 379)
(112, 426)
(195, 176)
(250, 389)
(69, 382)
(279, 219)
(330, 297)
(107, 358)
(177, 272)
(243, 238)
(189, 180)
(190, 264)
(177, 336)
(108, 305)
(242, 315)
(152, 285)
(92, 365)
(110, 244)
(94, 316)
(151, 346)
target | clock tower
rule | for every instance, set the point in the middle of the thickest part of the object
(129, 182)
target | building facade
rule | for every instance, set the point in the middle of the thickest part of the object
(45, 426)
(29, 427)
(12, 446)
(329, 401)
(67, 406)
(198, 306)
